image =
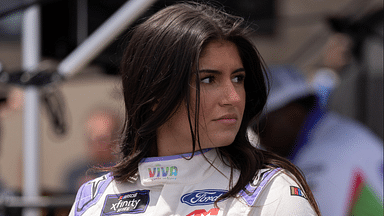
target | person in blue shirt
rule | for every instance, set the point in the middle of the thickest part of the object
(341, 159)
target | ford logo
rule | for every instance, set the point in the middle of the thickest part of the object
(202, 197)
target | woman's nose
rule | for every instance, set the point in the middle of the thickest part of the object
(230, 95)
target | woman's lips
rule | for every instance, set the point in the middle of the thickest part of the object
(227, 120)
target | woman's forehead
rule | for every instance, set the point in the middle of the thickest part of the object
(214, 44)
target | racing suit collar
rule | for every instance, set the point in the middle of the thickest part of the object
(178, 169)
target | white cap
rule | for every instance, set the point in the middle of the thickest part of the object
(287, 84)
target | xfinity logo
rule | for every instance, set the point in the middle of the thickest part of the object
(125, 205)
(202, 197)
(131, 202)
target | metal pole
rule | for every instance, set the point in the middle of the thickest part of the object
(30, 60)
(103, 36)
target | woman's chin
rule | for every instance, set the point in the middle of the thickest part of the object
(219, 142)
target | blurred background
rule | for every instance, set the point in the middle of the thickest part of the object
(344, 35)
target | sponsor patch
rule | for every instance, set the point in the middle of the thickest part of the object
(126, 203)
(160, 172)
(202, 197)
(295, 191)
(203, 212)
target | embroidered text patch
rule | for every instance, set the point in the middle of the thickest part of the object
(131, 202)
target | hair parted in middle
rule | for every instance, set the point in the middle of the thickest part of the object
(157, 69)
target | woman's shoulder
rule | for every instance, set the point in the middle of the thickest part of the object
(93, 195)
(90, 193)
(275, 191)
(254, 189)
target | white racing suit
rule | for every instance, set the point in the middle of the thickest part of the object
(173, 185)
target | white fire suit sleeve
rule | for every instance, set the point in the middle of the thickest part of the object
(282, 196)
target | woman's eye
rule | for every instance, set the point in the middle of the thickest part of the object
(238, 79)
(208, 79)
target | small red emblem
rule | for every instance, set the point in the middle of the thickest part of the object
(202, 212)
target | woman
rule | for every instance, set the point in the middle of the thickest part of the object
(192, 84)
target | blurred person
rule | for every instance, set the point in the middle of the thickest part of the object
(192, 83)
(13, 103)
(341, 159)
(5, 191)
(102, 128)
(336, 57)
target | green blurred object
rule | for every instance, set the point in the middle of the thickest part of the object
(366, 203)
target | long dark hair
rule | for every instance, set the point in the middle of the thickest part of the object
(157, 66)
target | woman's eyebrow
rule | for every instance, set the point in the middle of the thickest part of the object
(219, 72)
(239, 70)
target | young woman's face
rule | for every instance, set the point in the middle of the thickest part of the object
(222, 103)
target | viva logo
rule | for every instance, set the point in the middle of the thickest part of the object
(163, 172)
